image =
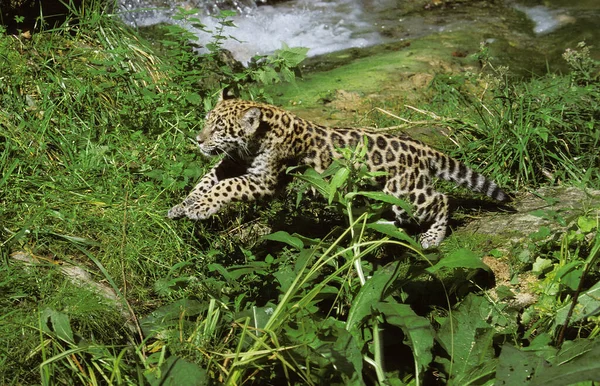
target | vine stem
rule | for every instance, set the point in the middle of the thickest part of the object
(378, 361)
(588, 264)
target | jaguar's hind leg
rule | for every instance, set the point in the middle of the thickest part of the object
(434, 212)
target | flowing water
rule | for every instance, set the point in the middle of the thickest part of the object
(331, 25)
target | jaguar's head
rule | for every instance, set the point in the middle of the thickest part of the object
(229, 127)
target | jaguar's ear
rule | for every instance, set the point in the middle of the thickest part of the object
(251, 120)
(226, 93)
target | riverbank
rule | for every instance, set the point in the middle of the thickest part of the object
(100, 287)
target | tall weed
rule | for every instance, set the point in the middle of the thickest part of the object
(541, 131)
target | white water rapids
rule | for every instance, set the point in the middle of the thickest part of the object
(323, 26)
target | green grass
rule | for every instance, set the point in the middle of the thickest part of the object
(94, 148)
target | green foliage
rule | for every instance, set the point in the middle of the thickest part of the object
(94, 149)
(529, 133)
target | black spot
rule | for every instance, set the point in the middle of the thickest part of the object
(297, 128)
(381, 142)
(238, 188)
(412, 149)
(499, 195)
(412, 197)
(395, 145)
(268, 113)
(369, 145)
(486, 186)
(404, 146)
(228, 188)
(421, 199)
(337, 140)
(389, 155)
(244, 197)
(325, 160)
(451, 166)
(320, 131)
(462, 171)
(474, 180)
(285, 119)
(310, 129)
(393, 187)
(376, 158)
(421, 182)
(409, 160)
(252, 188)
(297, 143)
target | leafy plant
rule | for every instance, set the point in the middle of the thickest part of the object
(526, 134)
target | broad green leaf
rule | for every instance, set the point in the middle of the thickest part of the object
(339, 178)
(588, 304)
(516, 367)
(417, 330)
(569, 274)
(58, 323)
(341, 349)
(383, 197)
(393, 231)
(541, 265)
(372, 292)
(177, 371)
(168, 316)
(587, 224)
(286, 238)
(577, 362)
(292, 56)
(222, 270)
(541, 234)
(315, 180)
(256, 267)
(461, 258)
(285, 276)
(467, 337)
(193, 98)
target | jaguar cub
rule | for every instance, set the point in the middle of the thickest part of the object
(260, 141)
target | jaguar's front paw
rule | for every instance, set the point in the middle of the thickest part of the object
(176, 212)
(200, 212)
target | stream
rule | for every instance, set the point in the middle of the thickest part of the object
(326, 26)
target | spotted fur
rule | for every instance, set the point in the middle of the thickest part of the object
(260, 141)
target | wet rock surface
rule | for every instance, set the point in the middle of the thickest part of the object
(536, 209)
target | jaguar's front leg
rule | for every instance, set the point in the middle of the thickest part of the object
(209, 180)
(248, 187)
